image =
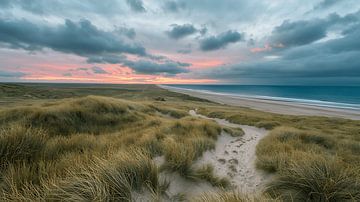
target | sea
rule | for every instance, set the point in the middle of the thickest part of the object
(343, 97)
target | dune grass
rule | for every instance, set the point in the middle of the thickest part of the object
(234, 132)
(206, 172)
(84, 115)
(108, 180)
(313, 158)
(232, 196)
(317, 179)
(97, 148)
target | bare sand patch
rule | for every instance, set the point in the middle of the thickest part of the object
(234, 157)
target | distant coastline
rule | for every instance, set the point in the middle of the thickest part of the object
(281, 105)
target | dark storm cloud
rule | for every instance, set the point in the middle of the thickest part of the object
(136, 5)
(305, 32)
(299, 33)
(98, 70)
(181, 31)
(8, 74)
(174, 6)
(220, 41)
(321, 65)
(148, 67)
(349, 43)
(336, 58)
(81, 38)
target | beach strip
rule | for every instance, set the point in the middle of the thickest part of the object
(274, 106)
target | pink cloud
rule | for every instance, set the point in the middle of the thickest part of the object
(267, 47)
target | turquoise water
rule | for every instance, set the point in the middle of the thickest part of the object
(329, 96)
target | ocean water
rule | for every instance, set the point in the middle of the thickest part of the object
(328, 96)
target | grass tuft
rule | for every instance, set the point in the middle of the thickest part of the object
(18, 145)
(232, 196)
(317, 179)
(109, 180)
(234, 132)
(206, 173)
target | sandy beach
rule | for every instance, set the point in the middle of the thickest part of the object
(280, 107)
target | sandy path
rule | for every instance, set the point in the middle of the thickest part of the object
(234, 157)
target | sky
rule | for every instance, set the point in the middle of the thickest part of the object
(262, 42)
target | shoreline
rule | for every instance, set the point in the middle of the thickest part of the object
(273, 106)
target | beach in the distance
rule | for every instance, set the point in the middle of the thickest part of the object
(275, 106)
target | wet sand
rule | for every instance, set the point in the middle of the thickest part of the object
(280, 107)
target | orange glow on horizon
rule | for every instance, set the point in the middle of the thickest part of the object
(141, 79)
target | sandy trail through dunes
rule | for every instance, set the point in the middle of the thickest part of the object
(234, 157)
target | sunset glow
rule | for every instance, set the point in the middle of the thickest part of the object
(179, 41)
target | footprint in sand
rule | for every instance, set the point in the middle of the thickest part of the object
(222, 161)
(233, 161)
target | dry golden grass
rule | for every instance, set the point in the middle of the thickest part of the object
(95, 148)
(313, 158)
(317, 179)
(77, 149)
(225, 196)
(206, 172)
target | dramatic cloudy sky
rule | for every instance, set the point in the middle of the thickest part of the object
(181, 41)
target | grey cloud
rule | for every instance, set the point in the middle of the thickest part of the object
(299, 33)
(316, 67)
(98, 70)
(81, 38)
(325, 4)
(181, 31)
(8, 74)
(81, 69)
(203, 30)
(66, 8)
(128, 32)
(348, 44)
(67, 74)
(174, 6)
(333, 59)
(184, 51)
(136, 5)
(94, 69)
(220, 41)
(5, 3)
(305, 32)
(148, 67)
(111, 59)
